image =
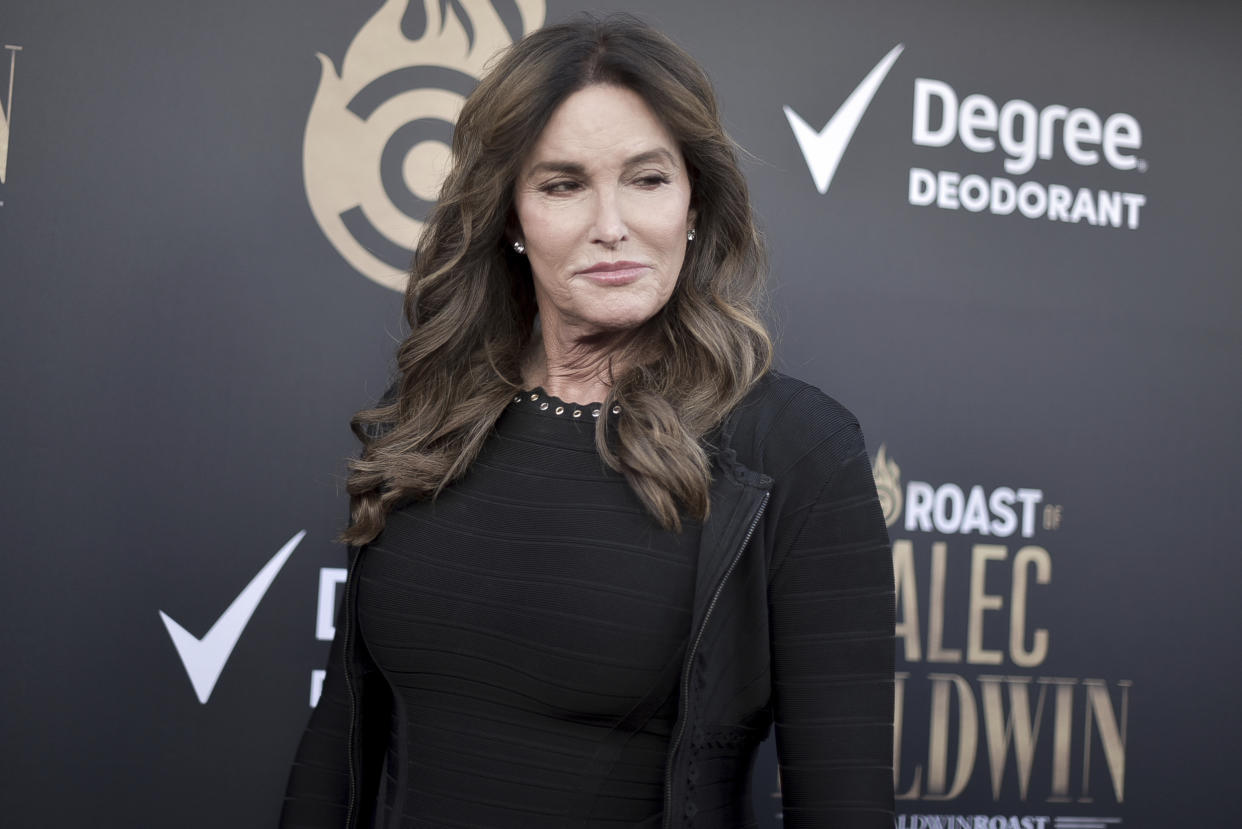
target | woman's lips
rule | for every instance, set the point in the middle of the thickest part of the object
(614, 273)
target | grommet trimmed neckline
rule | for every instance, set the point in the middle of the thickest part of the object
(538, 400)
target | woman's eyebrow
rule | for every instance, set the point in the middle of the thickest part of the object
(573, 168)
(567, 167)
(660, 154)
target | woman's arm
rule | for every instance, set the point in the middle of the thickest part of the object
(831, 611)
(318, 791)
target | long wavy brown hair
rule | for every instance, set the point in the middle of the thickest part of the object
(470, 301)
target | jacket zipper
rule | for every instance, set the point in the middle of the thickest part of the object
(685, 675)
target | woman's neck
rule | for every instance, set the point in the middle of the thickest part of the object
(575, 369)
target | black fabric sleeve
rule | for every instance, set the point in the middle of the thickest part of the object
(317, 794)
(831, 609)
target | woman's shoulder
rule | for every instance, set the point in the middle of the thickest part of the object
(782, 419)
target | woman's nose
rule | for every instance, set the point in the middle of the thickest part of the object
(609, 226)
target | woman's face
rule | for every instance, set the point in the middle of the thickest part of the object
(603, 207)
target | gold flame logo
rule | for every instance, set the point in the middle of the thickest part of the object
(887, 485)
(6, 114)
(377, 139)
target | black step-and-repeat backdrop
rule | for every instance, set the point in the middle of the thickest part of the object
(1004, 234)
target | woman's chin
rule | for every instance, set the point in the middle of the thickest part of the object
(618, 324)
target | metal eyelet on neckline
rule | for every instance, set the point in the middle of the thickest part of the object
(559, 407)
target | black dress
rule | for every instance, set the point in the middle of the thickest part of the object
(517, 619)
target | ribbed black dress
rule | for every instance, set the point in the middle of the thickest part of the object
(517, 619)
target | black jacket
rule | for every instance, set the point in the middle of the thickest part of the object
(792, 623)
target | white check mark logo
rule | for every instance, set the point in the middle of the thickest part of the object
(823, 150)
(204, 658)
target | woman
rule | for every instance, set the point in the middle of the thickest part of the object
(597, 546)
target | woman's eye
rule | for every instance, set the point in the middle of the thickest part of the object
(653, 179)
(559, 187)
